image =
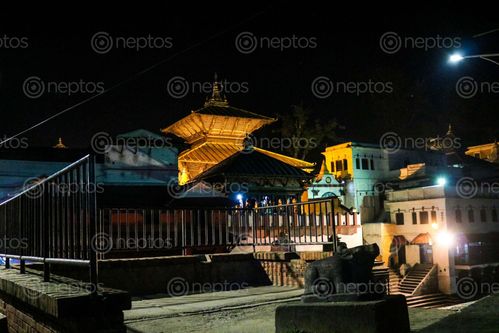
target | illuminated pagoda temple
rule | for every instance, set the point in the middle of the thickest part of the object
(219, 150)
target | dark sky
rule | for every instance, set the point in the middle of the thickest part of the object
(423, 100)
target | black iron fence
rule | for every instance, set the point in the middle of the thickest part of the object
(52, 220)
(130, 232)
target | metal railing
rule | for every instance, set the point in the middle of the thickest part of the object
(182, 231)
(52, 221)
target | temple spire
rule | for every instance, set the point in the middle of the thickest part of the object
(449, 131)
(60, 145)
(216, 98)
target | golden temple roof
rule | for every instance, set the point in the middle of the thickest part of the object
(218, 131)
(217, 121)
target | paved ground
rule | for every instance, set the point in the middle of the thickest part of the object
(252, 311)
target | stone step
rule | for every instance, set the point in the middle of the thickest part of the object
(431, 301)
(410, 282)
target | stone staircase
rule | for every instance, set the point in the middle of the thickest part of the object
(394, 279)
(428, 301)
(412, 280)
(407, 285)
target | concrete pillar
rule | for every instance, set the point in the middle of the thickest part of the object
(443, 256)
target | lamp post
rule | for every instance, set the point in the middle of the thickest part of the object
(456, 57)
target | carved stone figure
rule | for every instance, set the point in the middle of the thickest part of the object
(345, 275)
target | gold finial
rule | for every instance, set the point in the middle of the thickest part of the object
(60, 145)
(449, 131)
(216, 96)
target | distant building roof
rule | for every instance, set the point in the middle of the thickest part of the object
(141, 133)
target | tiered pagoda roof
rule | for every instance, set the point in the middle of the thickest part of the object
(216, 132)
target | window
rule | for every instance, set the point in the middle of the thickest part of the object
(433, 216)
(459, 216)
(365, 164)
(332, 166)
(372, 164)
(357, 163)
(345, 165)
(483, 215)
(414, 218)
(494, 214)
(339, 166)
(471, 216)
(399, 218)
(423, 217)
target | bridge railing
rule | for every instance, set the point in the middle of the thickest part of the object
(52, 220)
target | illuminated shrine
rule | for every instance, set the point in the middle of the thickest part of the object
(219, 149)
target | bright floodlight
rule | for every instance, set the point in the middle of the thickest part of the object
(446, 239)
(239, 197)
(456, 58)
(441, 181)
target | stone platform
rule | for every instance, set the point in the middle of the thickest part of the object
(61, 305)
(382, 316)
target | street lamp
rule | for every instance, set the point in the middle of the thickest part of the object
(457, 57)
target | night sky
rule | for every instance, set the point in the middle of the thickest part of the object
(347, 49)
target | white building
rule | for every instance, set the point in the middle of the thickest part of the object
(442, 216)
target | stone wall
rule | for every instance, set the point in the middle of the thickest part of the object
(286, 268)
(142, 276)
(62, 305)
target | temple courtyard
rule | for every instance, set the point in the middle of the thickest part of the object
(252, 310)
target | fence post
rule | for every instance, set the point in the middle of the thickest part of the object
(46, 233)
(254, 229)
(92, 226)
(184, 235)
(332, 214)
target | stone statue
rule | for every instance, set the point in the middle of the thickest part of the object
(347, 275)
